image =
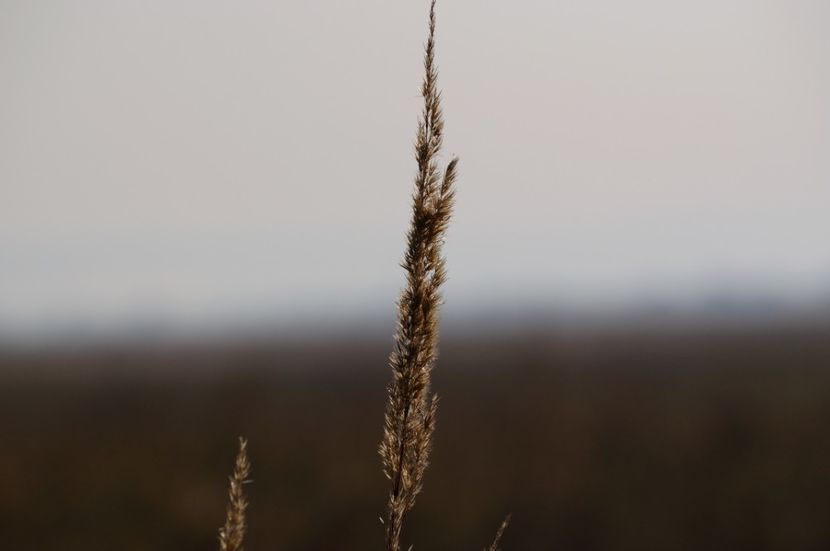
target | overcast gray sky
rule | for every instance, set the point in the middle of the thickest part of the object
(200, 161)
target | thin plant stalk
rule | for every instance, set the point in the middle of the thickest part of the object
(497, 540)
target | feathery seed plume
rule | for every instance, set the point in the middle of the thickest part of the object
(232, 534)
(411, 407)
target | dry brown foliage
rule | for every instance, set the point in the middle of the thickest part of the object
(409, 420)
(411, 407)
(232, 534)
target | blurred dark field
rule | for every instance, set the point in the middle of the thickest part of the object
(595, 440)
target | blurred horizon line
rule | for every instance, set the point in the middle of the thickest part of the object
(717, 311)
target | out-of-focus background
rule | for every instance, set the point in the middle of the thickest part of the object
(203, 207)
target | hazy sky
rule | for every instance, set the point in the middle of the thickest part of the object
(203, 161)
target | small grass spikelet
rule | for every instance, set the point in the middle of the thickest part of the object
(232, 534)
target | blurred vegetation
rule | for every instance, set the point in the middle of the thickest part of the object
(595, 440)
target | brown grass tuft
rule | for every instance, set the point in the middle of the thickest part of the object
(411, 407)
(232, 534)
